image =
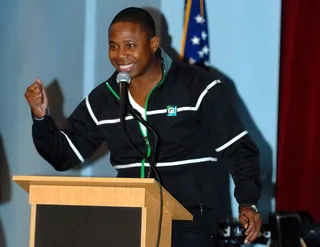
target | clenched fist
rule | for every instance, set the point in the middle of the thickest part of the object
(37, 98)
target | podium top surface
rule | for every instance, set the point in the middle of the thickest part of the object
(148, 183)
(25, 181)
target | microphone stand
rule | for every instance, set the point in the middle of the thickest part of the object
(136, 115)
(123, 99)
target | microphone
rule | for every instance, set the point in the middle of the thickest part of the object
(124, 79)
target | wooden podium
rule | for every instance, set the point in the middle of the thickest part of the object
(98, 212)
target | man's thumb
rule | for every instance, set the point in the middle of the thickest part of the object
(39, 81)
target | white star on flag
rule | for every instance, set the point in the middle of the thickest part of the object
(205, 50)
(206, 63)
(195, 40)
(200, 53)
(199, 19)
(192, 61)
(204, 35)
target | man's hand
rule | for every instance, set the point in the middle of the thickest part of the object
(251, 221)
(37, 98)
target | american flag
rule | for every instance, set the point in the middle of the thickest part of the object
(195, 40)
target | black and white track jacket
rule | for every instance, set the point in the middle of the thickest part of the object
(197, 126)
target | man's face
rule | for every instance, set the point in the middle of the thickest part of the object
(130, 48)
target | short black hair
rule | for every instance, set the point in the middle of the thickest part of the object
(139, 16)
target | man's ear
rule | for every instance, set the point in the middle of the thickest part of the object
(154, 43)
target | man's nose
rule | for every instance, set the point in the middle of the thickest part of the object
(122, 53)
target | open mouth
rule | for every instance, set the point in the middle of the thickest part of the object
(126, 67)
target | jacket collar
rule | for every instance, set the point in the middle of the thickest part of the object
(166, 60)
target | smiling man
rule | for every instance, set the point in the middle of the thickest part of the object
(188, 108)
(132, 48)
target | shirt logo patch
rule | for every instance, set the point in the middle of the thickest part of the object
(172, 110)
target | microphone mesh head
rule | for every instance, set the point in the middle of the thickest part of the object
(123, 76)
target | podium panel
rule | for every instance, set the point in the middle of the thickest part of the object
(83, 226)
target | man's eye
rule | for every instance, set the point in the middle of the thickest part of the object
(113, 46)
(130, 45)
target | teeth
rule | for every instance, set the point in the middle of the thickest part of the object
(125, 67)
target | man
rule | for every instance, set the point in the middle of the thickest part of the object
(195, 122)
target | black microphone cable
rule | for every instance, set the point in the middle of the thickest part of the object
(136, 115)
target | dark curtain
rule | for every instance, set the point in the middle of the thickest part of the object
(298, 166)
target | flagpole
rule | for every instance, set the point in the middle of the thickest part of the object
(185, 27)
(201, 8)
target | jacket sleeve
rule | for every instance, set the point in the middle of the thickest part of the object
(69, 147)
(232, 143)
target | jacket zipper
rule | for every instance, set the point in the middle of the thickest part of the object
(201, 209)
